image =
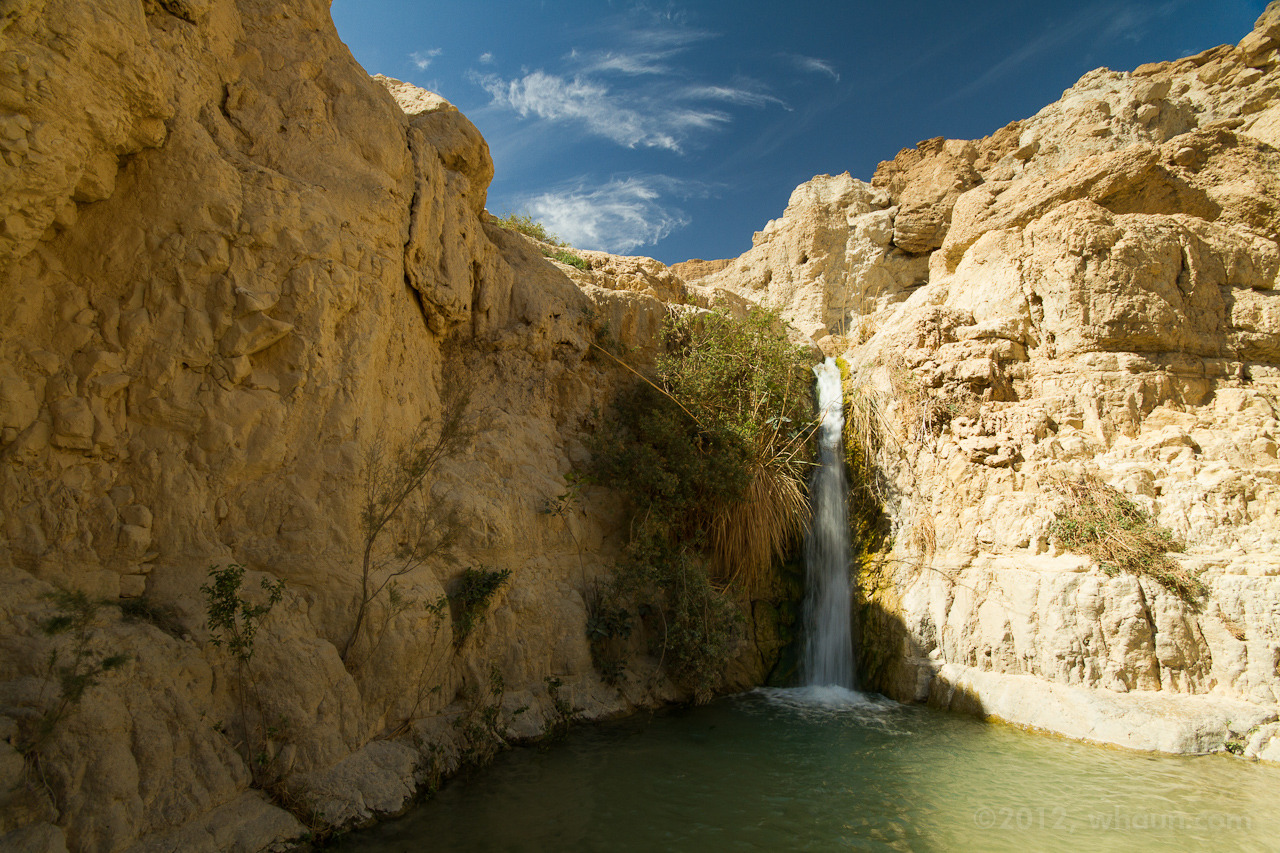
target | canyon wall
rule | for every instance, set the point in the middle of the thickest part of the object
(233, 270)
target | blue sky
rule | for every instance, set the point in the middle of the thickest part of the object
(676, 129)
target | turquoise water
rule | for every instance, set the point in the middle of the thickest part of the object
(826, 769)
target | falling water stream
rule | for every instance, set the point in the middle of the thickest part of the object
(828, 644)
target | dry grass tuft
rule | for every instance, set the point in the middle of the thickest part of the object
(1100, 522)
(750, 535)
(870, 436)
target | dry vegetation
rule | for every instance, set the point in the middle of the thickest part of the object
(1100, 522)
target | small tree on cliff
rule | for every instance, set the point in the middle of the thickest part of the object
(390, 480)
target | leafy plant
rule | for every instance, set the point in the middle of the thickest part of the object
(1100, 522)
(143, 609)
(749, 390)
(609, 625)
(482, 727)
(712, 452)
(554, 247)
(718, 442)
(390, 481)
(568, 258)
(475, 588)
(233, 623)
(565, 504)
(563, 713)
(524, 223)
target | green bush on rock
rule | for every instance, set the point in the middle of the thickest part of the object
(554, 247)
(1100, 522)
(712, 452)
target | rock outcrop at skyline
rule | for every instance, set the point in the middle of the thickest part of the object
(232, 265)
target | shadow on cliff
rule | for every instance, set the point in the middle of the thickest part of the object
(890, 660)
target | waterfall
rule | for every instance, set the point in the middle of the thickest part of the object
(828, 647)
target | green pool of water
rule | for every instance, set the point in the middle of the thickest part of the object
(831, 770)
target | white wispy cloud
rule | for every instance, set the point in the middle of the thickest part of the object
(1130, 22)
(628, 119)
(733, 95)
(619, 216)
(486, 58)
(632, 64)
(635, 86)
(422, 58)
(814, 65)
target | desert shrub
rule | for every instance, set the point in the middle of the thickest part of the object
(391, 480)
(76, 663)
(563, 712)
(482, 725)
(748, 391)
(712, 453)
(475, 589)
(609, 625)
(524, 223)
(233, 621)
(553, 246)
(1100, 522)
(568, 258)
(144, 609)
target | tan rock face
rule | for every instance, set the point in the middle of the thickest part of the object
(56, 158)
(230, 265)
(1103, 303)
(696, 268)
(925, 182)
(828, 261)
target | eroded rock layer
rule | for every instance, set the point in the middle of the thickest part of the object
(233, 267)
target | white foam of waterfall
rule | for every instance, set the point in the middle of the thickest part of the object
(828, 630)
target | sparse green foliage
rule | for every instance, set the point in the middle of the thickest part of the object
(143, 609)
(75, 665)
(524, 223)
(475, 588)
(390, 481)
(750, 390)
(233, 623)
(566, 504)
(1100, 522)
(712, 452)
(563, 712)
(609, 625)
(424, 683)
(568, 258)
(717, 445)
(483, 729)
(554, 247)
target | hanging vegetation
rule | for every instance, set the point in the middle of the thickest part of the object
(713, 453)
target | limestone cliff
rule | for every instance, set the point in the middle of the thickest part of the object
(231, 266)
(1090, 291)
